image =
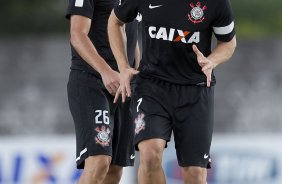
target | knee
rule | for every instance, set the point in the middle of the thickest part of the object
(97, 166)
(194, 175)
(103, 163)
(150, 159)
(151, 152)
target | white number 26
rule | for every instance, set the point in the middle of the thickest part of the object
(104, 119)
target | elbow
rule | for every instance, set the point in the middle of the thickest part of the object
(231, 47)
(233, 44)
(75, 38)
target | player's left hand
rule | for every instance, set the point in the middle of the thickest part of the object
(206, 64)
(124, 89)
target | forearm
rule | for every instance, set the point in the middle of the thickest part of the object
(222, 52)
(85, 48)
(117, 40)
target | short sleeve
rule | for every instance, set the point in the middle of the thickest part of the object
(223, 26)
(80, 7)
(126, 10)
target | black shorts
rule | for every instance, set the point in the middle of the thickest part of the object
(160, 107)
(102, 128)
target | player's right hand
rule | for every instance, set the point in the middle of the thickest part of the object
(206, 64)
(124, 89)
(110, 80)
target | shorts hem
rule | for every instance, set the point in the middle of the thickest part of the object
(151, 137)
(81, 161)
(127, 164)
(206, 165)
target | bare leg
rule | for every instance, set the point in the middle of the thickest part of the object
(114, 175)
(194, 175)
(95, 169)
(150, 170)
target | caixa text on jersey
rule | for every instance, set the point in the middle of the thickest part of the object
(174, 35)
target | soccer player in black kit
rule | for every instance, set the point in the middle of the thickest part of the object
(104, 130)
(175, 84)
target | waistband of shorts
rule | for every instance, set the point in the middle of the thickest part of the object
(144, 76)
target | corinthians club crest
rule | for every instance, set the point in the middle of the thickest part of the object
(103, 137)
(139, 123)
(196, 15)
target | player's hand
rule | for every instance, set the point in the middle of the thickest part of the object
(206, 64)
(110, 80)
(124, 89)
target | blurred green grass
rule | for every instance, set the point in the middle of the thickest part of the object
(254, 18)
(258, 18)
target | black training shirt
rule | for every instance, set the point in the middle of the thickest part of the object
(99, 11)
(170, 28)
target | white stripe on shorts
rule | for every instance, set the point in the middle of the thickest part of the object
(224, 30)
(81, 153)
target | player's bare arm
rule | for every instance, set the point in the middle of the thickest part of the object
(118, 45)
(79, 30)
(221, 53)
(137, 56)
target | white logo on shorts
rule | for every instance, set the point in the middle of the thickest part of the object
(139, 123)
(132, 156)
(206, 156)
(152, 7)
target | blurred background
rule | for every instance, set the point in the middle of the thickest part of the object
(37, 143)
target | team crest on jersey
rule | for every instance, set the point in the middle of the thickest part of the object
(139, 123)
(196, 15)
(103, 137)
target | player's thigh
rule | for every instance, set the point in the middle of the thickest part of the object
(193, 128)
(151, 120)
(123, 147)
(91, 113)
(92, 163)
